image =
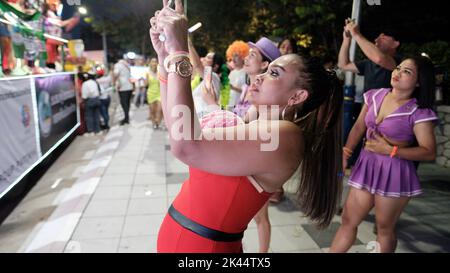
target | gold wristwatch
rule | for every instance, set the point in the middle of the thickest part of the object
(180, 65)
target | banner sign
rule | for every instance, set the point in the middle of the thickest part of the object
(57, 108)
(18, 148)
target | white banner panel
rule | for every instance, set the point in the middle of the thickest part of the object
(18, 149)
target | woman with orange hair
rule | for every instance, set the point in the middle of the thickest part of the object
(237, 52)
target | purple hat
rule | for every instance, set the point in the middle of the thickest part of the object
(267, 48)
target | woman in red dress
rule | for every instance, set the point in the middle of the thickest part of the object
(299, 106)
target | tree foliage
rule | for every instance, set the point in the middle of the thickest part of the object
(315, 24)
(319, 21)
(125, 22)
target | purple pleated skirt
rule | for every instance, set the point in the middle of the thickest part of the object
(385, 176)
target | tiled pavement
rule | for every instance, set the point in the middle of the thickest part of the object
(110, 193)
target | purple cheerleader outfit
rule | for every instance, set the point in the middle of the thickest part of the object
(381, 174)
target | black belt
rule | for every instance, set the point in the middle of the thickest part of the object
(212, 234)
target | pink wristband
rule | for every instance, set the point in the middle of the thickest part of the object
(162, 79)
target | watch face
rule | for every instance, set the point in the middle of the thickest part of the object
(185, 68)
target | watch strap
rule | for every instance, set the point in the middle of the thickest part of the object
(172, 58)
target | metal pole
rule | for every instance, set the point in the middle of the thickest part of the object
(356, 11)
(185, 7)
(105, 49)
(104, 44)
(349, 88)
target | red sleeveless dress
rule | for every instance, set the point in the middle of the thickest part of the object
(223, 203)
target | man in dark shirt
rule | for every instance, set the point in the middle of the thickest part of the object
(375, 76)
(381, 57)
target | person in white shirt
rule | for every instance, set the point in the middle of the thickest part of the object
(237, 81)
(90, 92)
(201, 106)
(106, 87)
(211, 59)
(122, 75)
(139, 92)
(237, 51)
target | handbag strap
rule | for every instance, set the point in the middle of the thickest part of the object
(98, 87)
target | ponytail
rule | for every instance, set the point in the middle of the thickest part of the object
(321, 173)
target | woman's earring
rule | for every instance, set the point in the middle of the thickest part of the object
(283, 112)
(295, 115)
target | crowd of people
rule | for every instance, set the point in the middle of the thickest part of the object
(273, 86)
(97, 90)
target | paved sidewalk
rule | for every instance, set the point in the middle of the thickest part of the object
(110, 193)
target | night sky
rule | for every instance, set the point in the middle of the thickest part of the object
(413, 21)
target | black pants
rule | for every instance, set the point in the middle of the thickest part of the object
(104, 106)
(125, 99)
(92, 115)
